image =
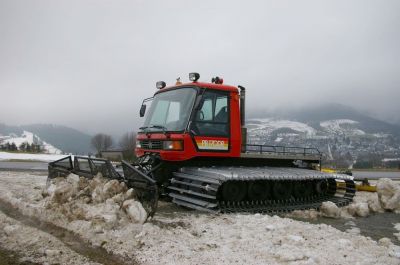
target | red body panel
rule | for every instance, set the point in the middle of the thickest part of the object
(201, 146)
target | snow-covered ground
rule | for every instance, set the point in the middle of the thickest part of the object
(29, 138)
(36, 246)
(32, 157)
(99, 213)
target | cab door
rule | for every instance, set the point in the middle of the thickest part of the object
(210, 125)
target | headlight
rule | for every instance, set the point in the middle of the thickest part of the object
(173, 145)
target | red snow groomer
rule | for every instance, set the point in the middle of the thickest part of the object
(192, 149)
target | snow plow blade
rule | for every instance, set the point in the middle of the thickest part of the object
(144, 186)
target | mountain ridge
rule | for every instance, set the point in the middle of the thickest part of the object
(313, 115)
(67, 139)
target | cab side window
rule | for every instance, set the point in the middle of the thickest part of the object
(212, 116)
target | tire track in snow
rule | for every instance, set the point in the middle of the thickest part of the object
(8, 257)
(70, 239)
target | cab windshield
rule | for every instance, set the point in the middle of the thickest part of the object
(170, 110)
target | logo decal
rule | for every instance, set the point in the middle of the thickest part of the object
(212, 144)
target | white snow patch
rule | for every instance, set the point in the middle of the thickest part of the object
(266, 126)
(391, 159)
(29, 138)
(337, 126)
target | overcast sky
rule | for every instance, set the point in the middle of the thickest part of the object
(89, 64)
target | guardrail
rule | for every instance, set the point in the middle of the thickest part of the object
(284, 150)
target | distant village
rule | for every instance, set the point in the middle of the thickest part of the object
(340, 149)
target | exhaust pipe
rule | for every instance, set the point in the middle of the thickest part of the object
(243, 116)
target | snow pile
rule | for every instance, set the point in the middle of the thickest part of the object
(106, 203)
(364, 204)
(389, 194)
(387, 198)
(357, 208)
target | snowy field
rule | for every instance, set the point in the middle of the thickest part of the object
(105, 214)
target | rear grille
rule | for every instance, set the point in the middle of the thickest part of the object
(151, 144)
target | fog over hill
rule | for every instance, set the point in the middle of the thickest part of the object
(315, 114)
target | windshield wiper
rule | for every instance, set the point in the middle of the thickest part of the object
(154, 126)
(159, 127)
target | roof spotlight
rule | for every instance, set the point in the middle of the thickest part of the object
(160, 84)
(217, 80)
(194, 77)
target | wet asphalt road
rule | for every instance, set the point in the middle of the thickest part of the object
(25, 166)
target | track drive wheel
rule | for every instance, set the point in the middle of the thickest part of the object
(234, 191)
(259, 190)
(282, 190)
(321, 187)
(302, 189)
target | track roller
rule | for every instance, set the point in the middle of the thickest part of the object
(259, 190)
(282, 190)
(234, 191)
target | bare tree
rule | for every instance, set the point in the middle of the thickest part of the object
(108, 142)
(101, 142)
(128, 144)
(128, 141)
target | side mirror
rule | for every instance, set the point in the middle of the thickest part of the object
(142, 110)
